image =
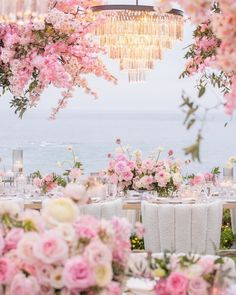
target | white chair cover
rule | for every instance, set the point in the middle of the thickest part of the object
(105, 210)
(182, 228)
(132, 216)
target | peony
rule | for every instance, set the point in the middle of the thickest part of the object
(22, 285)
(177, 284)
(77, 273)
(103, 275)
(207, 264)
(62, 210)
(12, 238)
(121, 167)
(98, 253)
(6, 270)
(50, 248)
(75, 174)
(198, 286)
(76, 192)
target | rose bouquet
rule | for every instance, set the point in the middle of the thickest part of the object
(47, 183)
(191, 274)
(59, 252)
(129, 171)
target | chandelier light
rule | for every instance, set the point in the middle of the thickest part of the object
(22, 11)
(138, 35)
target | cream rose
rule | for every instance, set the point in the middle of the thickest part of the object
(57, 211)
(56, 278)
(103, 275)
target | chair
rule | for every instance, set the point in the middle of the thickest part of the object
(182, 228)
(105, 210)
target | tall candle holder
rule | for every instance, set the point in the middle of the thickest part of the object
(17, 161)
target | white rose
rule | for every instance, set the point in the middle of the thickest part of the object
(10, 207)
(193, 271)
(67, 232)
(103, 275)
(62, 210)
(177, 178)
(76, 192)
(25, 246)
(56, 278)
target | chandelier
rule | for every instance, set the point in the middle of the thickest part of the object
(22, 11)
(137, 35)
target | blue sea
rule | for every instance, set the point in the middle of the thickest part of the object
(93, 135)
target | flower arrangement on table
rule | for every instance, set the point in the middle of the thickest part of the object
(190, 274)
(60, 252)
(59, 51)
(201, 178)
(129, 171)
(51, 181)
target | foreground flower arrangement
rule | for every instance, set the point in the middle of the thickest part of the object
(132, 172)
(186, 274)
(58, 52)
(59, 252)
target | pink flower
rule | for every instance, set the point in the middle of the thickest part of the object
(113, 289)
(97, 253)
(77, 274)
(48, 178)
(196, 180)
(22, 285)
(118, 141)
(38, 182)
(75, 174)
(161, 288)
(198, 286)
(121, 167)
(6, 270)
(170, 153)
(208, 176)
(207, 263)
(127, 176)
(140, 230)
(177, 284)
(86, 227)
(50, 248)
(13, 238)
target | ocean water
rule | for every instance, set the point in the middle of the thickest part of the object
(93, 136)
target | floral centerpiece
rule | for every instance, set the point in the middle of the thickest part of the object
(59, 252)
(201, 178)
(129, 171)
(59, 52)
(189, 274)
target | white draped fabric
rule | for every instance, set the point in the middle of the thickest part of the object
(182, 228)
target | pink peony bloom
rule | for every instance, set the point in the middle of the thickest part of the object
(22, 285)
(198, 286)
(6, 270)
(121, 167)
(207, 263)
(50, 248)
(13, 238)
(38, 182)
(77, 274)
(177, 284)
(48, 178)
(75, 174)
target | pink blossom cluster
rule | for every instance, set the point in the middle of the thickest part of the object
(189, 274)
(201, 178)
(80, 257)
(58, 52)
(46, 183)
(132, 172)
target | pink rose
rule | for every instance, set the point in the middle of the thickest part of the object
(127, 176)
(118, 141)
(198, 286)
(207, 263)
(97, 253)
(50, 248)
(161, 288)
(113, 289)
(170, 153)
(208, 176)
(48, 178)
(38, 182)
(78, 274)
(22, 285)
(121, 167)
(75, 174)
(86, 227)
(6, 270)
(177, 284)
(13, 238)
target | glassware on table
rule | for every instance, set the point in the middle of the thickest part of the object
(111, 190)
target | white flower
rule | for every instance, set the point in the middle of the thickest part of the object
(103, 275)
(137, 154)
(177, 178)
(69, 148)
(59, 164)
(56, 278)
(160, 149)
(76, 192)
(193, 271)
(62, 210)
(229, 165)
(232, 160)
(67, 232)
(25, 246)
(10, 207)
(120, 150)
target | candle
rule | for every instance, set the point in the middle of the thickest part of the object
(17, 161)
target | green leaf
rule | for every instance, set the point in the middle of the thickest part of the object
(202, 91)
(194, 149)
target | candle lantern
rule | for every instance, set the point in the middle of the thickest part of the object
(228, 174)
(17, 161)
